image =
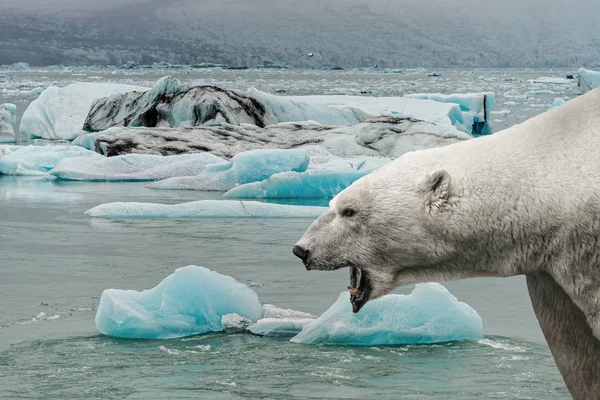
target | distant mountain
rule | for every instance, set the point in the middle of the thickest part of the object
(389, 33)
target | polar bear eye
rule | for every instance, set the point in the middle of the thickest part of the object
(348, 212)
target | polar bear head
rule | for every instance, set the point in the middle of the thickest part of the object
(390, 228)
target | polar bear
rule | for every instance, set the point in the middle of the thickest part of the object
(522, 201)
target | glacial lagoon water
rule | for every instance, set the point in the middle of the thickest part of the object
(55, 262)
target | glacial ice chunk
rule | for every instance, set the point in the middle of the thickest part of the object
(279, 326)
(204, 209)
(235, 323)
(309, 184)
(133, 167)
(280, 322)
(588, 79)
(387, 136)
(430, 314)
(173, 104)
(556, 103)
(191, 301)
(441, 113)
(247, 167)
(7, 123)
(39, 160)
(476, 109)
(59, 113)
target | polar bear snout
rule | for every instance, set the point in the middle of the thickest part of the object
(301, 253)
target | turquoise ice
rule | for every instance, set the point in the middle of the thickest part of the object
(246, 167)
(430, 314)
(191, 301)
(309, 184)
(38, 160)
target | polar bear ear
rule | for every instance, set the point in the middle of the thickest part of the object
(436, 189)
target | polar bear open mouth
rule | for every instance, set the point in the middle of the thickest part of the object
(360, 287)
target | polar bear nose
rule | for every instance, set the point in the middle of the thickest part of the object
(300, 252)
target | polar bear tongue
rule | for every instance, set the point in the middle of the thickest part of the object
(360, 288)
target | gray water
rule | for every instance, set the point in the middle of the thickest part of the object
(57, 261)
(54, 260)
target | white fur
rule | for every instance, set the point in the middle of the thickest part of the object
(522, 201)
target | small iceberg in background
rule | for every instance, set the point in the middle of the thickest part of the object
(133, 167)
(196, 300)
(204, 209)
(59, 113)
(588, 79)
(7, 123)
(191, 301)
(430, 314)
(39, 160)
(247, 167)
(556, 103)
(476, 109)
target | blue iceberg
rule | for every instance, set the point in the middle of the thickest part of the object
(204, 209)
(191, 301)
(588, 79)
(133, 167)
(309, 184)
(39, 160)
(476, 109)
(430, 314)
(250, 166)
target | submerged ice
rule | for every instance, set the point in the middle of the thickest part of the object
(191, 301)
(430, 314)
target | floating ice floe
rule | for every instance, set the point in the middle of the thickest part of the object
(309, 184)
(7, 123)
(430, 314)
(196, 300)
(420, 108)
(475, 109)
(172, 104)
(38, 160)
(204, 209)
(59, 113)
(553, 80)
(378, 137)
(556, 103)
(191, 301)
(250, 166)
(133, 167)
(588, 79)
